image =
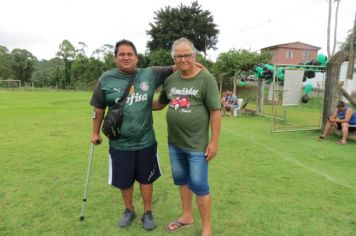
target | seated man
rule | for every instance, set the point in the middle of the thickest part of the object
(342, 118)
(232, 103)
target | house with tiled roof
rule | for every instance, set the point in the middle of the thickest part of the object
(292, 53)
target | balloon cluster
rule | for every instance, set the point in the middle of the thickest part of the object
(309, 73)
(265, 71)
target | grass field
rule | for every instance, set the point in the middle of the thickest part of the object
(262, 183)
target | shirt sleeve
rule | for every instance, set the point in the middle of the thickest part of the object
(97, 99)
(161, 73)
(212, 96)
(163, 97)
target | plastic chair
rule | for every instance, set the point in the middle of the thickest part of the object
(237, 110)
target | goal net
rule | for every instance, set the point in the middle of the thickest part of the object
(10, 84)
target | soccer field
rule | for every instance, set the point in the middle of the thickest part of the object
(261, 183)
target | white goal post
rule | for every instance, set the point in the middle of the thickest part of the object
(9, 81)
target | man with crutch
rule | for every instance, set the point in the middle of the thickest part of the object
(132, 157)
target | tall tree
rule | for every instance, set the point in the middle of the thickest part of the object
(67, 53)
(22, 64)
(5, 62)
(105, 54)
(185, 21)
(335, 26)
(328, 28)
(80, 51)
(329, 52)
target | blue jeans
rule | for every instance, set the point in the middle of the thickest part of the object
(189, 168)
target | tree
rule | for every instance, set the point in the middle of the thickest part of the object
(160, 57)
(79, 72)
(142, 60)
(191, 22)
(105, 54)
(5, 62)
(68, 53)
(347, 43)
(22, 64)
(41, 75)
(47, 73)
(329, 26)
(80, 52)
(238, 64)
(335, 26)
(205, 62)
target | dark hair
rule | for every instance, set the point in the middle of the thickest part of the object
(340, 104)
(125, 42)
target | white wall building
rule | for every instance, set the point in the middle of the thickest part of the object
(349, 85)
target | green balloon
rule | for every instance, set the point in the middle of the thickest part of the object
(259, 72)
(280, 73)
(308, 88)
(269, 67)
(242, 83)
(322, 59)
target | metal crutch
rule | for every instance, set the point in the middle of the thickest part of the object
(87, 179)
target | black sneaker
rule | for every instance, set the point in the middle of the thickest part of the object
(127, 218)
(148, 221)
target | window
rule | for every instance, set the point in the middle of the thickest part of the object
(306, 55)
(289, 54)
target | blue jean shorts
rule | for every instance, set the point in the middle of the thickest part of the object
(189, 168)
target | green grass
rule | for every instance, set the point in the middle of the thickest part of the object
(261, 183)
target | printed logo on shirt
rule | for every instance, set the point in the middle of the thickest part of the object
(144, 86)
(134, 98)
(183, 92)
(182, 103)
(117, 89)
(132, 90)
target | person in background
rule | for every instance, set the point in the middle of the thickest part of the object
(342, 118)
(232, 103)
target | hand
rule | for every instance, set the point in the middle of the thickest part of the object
(211, 151)
(332, 119)
(96, 139)
(201, 66)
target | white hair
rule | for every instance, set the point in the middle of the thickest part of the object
(183, 40)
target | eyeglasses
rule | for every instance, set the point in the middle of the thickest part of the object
(122, 54)
(185, 56)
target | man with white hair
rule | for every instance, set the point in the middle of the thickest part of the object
(194, 103)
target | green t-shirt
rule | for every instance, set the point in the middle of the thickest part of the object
(137, 126)
(188, 115)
